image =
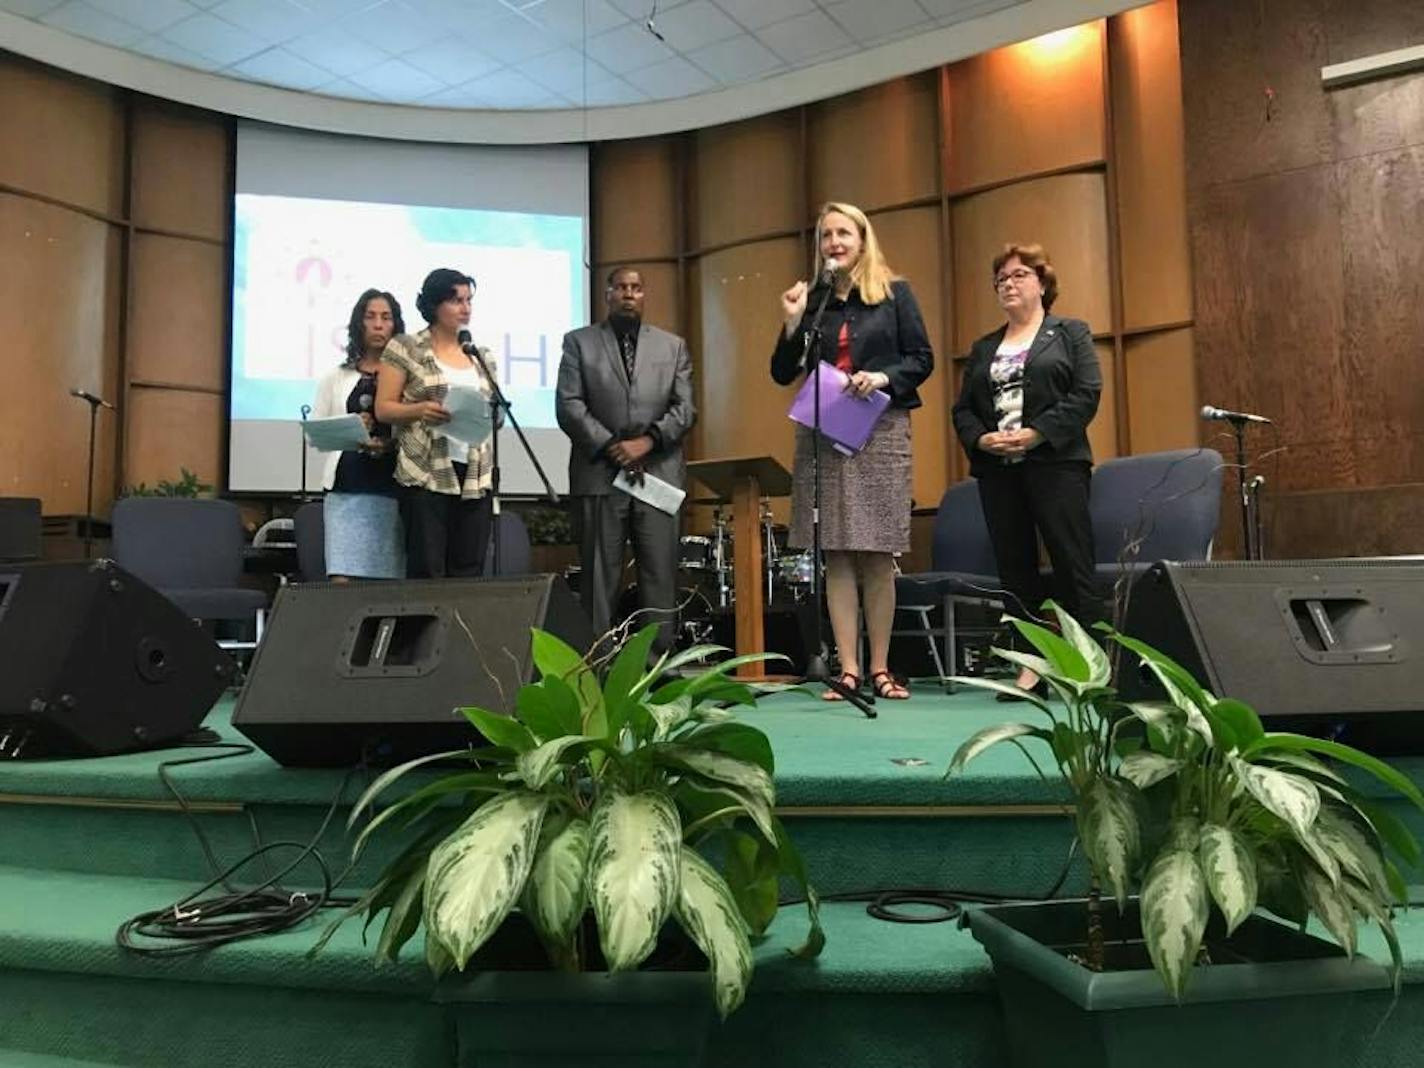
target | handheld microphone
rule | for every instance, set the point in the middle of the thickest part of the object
(829, 269)
(467, 343)
(1224, 416)
(84, 394)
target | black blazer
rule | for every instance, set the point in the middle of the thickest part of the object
(889, 337)
(1062, 384)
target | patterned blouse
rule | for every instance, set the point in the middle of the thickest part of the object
(422, 458)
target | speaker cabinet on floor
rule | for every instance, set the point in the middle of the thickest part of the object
(93, 662)
(1293, 638)
(378, 670)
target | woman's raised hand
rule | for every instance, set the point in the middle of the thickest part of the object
(793, 303)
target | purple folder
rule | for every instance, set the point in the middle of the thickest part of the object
(846, 420)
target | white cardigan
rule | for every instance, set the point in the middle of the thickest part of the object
(331, 393)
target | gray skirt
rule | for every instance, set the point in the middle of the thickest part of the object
(865, 498)
(364, 536)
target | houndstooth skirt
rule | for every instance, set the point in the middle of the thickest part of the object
(865, 498)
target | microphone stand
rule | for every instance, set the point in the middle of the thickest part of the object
(302, 441)
(94, 403)
(816, 669)
(500, 403)
(1247, 493)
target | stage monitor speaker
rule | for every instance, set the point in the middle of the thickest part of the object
(1295, 639)
(93, 661)
(377, 671)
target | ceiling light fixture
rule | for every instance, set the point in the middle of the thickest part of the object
(652, 23)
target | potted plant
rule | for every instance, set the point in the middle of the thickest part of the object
(590, 819)
(1214, 821)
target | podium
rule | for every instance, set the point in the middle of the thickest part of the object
(744, 481)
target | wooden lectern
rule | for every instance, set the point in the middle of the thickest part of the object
(743, 482)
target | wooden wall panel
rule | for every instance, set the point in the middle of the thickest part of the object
(1027, 108)
(169, 429)
(1162, 403)
(877, 147)
(59, 273)
(63, 136)
(746, 180)
(1102, 431)
(910, 239)
(1344, 522)
(180, 170)
(1067, 214)
(743, 413)
(177, 311)
(1148, 155)
(635, 199)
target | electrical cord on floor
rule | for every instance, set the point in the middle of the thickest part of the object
(200, 922)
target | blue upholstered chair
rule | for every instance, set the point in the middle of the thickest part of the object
(514, 551)
(190, 550)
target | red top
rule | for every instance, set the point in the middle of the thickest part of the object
(843, 350)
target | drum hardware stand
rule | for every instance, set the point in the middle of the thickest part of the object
(720, 568)
(769, 554)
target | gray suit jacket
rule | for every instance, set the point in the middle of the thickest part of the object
(596, 403)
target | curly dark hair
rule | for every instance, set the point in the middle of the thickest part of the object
(438, 287)
(356, 327)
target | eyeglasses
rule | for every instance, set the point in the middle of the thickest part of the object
(1017, 275)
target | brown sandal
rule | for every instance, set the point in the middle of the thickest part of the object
(846, 679)
(888, 688)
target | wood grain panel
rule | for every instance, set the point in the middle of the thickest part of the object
(746, 180)
(1358, 28)
(743, 413)
(1232, 52)
(1027, 108)
(660, 293)
(1347, 522)
(635, 198)
(64, 136)
(876, 147)
(1102, 431)
(1162, 406)
(1067, 214)
(59, 271)
(181, 160)
(910, 239)
(1148, 154)
(168, 429)
(179, 293)
(1378, 116)
(1269, 302)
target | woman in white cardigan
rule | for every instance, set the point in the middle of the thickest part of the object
(364, 535)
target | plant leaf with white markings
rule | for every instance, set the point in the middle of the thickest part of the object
(1293, 798)
(991, 736)
(709, 914)
(1330, 904)
(1174, 915)
(1144, 768)
(634, 872)
(556, 891)
(1230, 870)
(1111, 834)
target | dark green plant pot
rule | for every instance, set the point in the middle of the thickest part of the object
(593, 1020)
(1272, 996)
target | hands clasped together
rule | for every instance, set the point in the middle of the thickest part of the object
(1011, 443)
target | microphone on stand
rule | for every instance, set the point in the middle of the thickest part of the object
(829, 269)
(84, 394)
(1223, 416)
(467, 343)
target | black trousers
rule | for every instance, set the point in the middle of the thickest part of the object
(1027, 500)
(446, 535)
(609, 522)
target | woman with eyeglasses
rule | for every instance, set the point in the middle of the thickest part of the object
(447, 504)
(1029, 391)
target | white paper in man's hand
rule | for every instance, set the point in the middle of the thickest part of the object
(663, 496)
(340, 433)
(470, 418)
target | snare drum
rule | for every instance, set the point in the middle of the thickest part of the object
(695, 553)
(797, 569)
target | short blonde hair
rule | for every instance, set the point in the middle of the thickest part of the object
(871, 274)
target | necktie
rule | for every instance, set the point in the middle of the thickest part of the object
(629, 348)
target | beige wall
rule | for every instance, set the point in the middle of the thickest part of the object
(114, 251)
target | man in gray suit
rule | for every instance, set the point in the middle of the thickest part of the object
(625, 401)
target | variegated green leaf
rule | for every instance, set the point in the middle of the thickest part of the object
(719, 767)
(1330, 904)
(1230, 870)
(1162, 717)
(1112, 837)
(476, 874)
(538, 766)
(976, 682)
(1066, 663)
(753, 805)
(1174, 915)
(990, 736)
(670, 715)
(556, 891)
(1144, 768)
(634, 872)
(1183, 833)
(1323, 858)
(1301, 762)
(1357, 852)
(1367, 904)
(437, 957)
(1294, 799)
(1039, 666)
(709, 914)
(1099, 668)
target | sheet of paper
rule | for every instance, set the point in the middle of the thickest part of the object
(337, 434)
(470, 419)
(663, 496)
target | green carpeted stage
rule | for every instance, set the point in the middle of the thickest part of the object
(87, 844)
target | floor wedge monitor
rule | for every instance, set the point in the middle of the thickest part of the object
(1296, 639)
(377, 671)
(93, 661)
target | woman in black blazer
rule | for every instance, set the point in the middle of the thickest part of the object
(1029, 391)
